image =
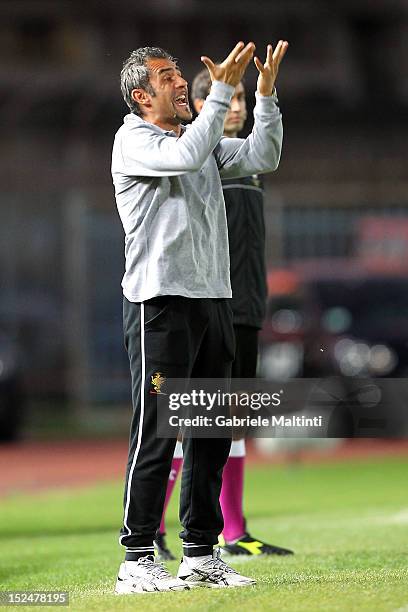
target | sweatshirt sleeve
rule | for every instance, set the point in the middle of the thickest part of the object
(260, 151)
(143, 150)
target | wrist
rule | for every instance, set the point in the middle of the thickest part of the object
(267, 93)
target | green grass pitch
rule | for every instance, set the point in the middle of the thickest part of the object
(347, 522)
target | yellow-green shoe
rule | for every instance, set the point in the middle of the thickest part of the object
(247, 545)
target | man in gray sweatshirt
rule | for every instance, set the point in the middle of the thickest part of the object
(176, 286)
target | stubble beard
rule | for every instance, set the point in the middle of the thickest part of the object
(180, 116)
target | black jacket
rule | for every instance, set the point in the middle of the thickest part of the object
(246, 232)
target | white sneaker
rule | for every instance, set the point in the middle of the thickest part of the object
(212, 572)
(146, 576)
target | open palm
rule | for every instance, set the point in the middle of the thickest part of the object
(269, 70)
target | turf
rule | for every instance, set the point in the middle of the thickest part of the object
(348, 524)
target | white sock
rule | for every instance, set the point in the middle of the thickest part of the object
(237, 448)
(178, 451)
(194, 561)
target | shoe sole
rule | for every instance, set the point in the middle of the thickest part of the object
(120, 591)
(212, 585)
(188, 588)
(249, 557)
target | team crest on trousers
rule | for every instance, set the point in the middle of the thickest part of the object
(157, 381)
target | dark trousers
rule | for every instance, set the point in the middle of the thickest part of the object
(246, 353)
(176, 337)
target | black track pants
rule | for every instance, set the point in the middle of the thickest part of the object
(246, 353)
(179, 338)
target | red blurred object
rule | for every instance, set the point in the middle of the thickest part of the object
(382, 243)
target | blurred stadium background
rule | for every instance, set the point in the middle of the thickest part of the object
(339, 199)
(337, 246)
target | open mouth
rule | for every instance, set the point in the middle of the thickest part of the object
(181, 101)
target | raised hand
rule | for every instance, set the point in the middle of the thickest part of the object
(232, 69)
(269, 70)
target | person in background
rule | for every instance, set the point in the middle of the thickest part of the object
(246, 233)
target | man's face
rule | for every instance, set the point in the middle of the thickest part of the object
(237, 113)
(170, 103)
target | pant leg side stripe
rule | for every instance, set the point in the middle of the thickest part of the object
(139, 433)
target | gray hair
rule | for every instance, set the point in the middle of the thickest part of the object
(135, 74)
